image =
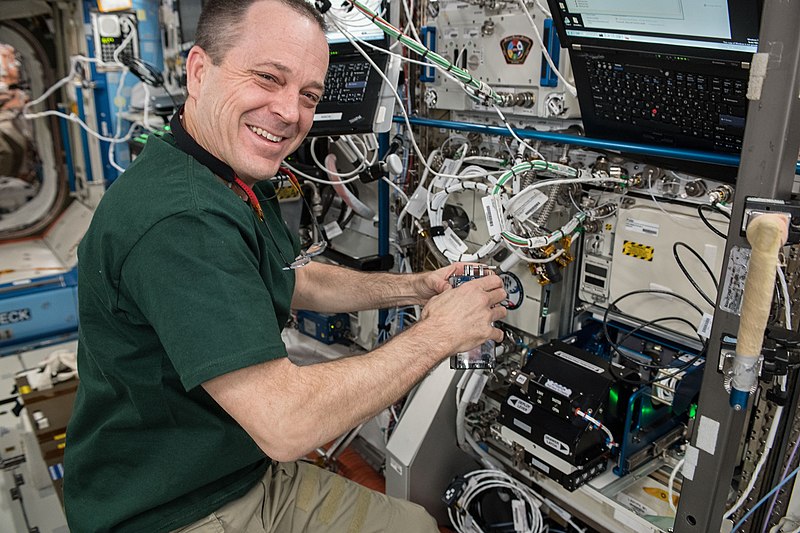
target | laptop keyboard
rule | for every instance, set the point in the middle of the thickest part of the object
(346, 83)
(706, 107)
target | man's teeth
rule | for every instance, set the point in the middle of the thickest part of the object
(265, 134)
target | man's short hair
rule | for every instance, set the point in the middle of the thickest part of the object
(220, 21)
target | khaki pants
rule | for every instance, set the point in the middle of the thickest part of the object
(299, 497)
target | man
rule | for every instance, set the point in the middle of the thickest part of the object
(189, 416)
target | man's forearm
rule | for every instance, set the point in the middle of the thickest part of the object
(333, 289)
(289, 410)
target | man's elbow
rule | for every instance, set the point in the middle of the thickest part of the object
(285, 445)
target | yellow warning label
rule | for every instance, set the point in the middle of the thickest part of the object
(25, 389)
(61, 445)
(639, 251)
(60, 436)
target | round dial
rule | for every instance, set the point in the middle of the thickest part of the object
(513, 286)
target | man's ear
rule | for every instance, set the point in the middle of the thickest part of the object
(197, 63)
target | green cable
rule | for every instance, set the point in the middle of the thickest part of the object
(481, 88)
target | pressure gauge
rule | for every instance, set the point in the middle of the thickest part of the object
(513, 287)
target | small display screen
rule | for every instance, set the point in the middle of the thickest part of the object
(596, 270)
(595, 281)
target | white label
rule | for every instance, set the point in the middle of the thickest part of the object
(707, 433)
(520, 514)
(540, 465)
(579, 362)
(705, 326)
(448, 167)
(657, 287)
(689, 465)
(492, 212)
(733, 286)
(520, 404)
(322, 117)
(556, 444)
(332, 229)
(640, 226)
(478, 390)
(530, 206)
(635, 505)
(558, 388)
(521, 379)
(418, 203)
(522, 425)
(454, 243)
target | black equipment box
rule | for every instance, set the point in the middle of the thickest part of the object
(539, 412)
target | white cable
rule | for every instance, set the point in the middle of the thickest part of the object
(128, 38)
(543, 8)
(658, 205)
(355, 42)
(599, 425)
(444, 242)
(571, 88)
(401, 192)
(72, 117)
(479, 481)
(762, 460)
(315, 179)
(361, 165)
(671, 482)
(787, 300)
(514, 134)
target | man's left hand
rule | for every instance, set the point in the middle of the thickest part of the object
(430, 284)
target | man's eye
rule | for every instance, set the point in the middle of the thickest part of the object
(267, 77)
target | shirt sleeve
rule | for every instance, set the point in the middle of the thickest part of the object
(195, 279)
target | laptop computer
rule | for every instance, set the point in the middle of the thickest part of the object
(354, 99)
(667, 72)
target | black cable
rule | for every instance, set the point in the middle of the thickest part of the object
(714, 208)
(144, 71)
(615, 346)
(689, 276)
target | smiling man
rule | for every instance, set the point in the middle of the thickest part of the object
(189, 415)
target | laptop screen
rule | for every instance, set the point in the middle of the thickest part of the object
(354, 22)
(724, 28)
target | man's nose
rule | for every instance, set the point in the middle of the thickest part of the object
(287, 106)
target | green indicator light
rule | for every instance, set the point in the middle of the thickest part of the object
(692, 410)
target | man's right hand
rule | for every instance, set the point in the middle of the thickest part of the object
(461, 319)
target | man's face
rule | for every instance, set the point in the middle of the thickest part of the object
(256, 107)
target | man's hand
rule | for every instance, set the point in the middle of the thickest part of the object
(430, 284)
(461, 318)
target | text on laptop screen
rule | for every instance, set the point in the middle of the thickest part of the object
(727, 25)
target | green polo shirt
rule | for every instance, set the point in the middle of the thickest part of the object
(179, 282)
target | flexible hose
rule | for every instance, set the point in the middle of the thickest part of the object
(358, 207)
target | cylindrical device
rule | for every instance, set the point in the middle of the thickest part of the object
(481, 357)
